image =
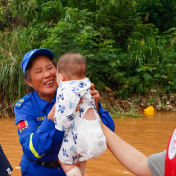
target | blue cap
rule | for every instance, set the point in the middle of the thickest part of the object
(33, 54)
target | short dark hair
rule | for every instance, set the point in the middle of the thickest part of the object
(72, 64)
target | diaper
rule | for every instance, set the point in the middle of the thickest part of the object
(91, 142)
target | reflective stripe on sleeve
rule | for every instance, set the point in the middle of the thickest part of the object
(32, 148)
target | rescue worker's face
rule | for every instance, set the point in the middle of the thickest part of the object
(43, 78)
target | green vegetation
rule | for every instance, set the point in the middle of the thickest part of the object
(129, 44)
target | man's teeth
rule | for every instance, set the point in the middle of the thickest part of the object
(49, 82)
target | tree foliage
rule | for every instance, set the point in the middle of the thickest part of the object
(129, 44)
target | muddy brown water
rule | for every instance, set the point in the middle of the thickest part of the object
(149, 134)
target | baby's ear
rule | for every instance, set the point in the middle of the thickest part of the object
(61, 77)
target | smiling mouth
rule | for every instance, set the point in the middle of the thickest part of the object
(49, 82)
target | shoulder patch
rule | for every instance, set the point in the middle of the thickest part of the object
(21, 101)
(22, 125)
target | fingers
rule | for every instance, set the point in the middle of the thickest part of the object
(95, 94)
(51, 113)
(80, 102)
(92, 86)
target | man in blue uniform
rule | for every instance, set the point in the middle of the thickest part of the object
(34, 116)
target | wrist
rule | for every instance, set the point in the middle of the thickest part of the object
(97, 106)
(99, 110)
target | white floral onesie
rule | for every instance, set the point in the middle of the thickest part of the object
(83, 139)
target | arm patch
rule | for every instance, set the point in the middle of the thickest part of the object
(22, 125)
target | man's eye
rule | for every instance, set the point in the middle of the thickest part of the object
(39, 71)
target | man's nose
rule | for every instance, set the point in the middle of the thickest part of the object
(47, 74)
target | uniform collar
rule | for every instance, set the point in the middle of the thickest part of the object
(41, 102)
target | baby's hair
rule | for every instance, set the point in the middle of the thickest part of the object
(72, 64)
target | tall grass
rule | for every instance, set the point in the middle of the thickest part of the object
(12, 86)
(149, 51)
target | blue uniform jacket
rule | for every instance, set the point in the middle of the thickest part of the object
(38, 137)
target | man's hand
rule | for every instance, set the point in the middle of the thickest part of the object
(95, 94)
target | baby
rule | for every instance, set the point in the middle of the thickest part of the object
(83, 137)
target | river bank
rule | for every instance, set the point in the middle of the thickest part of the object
(130, 107)
(120, 107)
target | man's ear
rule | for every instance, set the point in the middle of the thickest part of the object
(28, 82)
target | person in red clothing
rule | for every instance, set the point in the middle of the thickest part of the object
(159, 164)
(170, 161)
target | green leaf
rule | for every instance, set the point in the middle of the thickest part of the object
(146, 76)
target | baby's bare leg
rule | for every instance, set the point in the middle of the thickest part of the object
(70, 169)
(66, 167)
(74, 172)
